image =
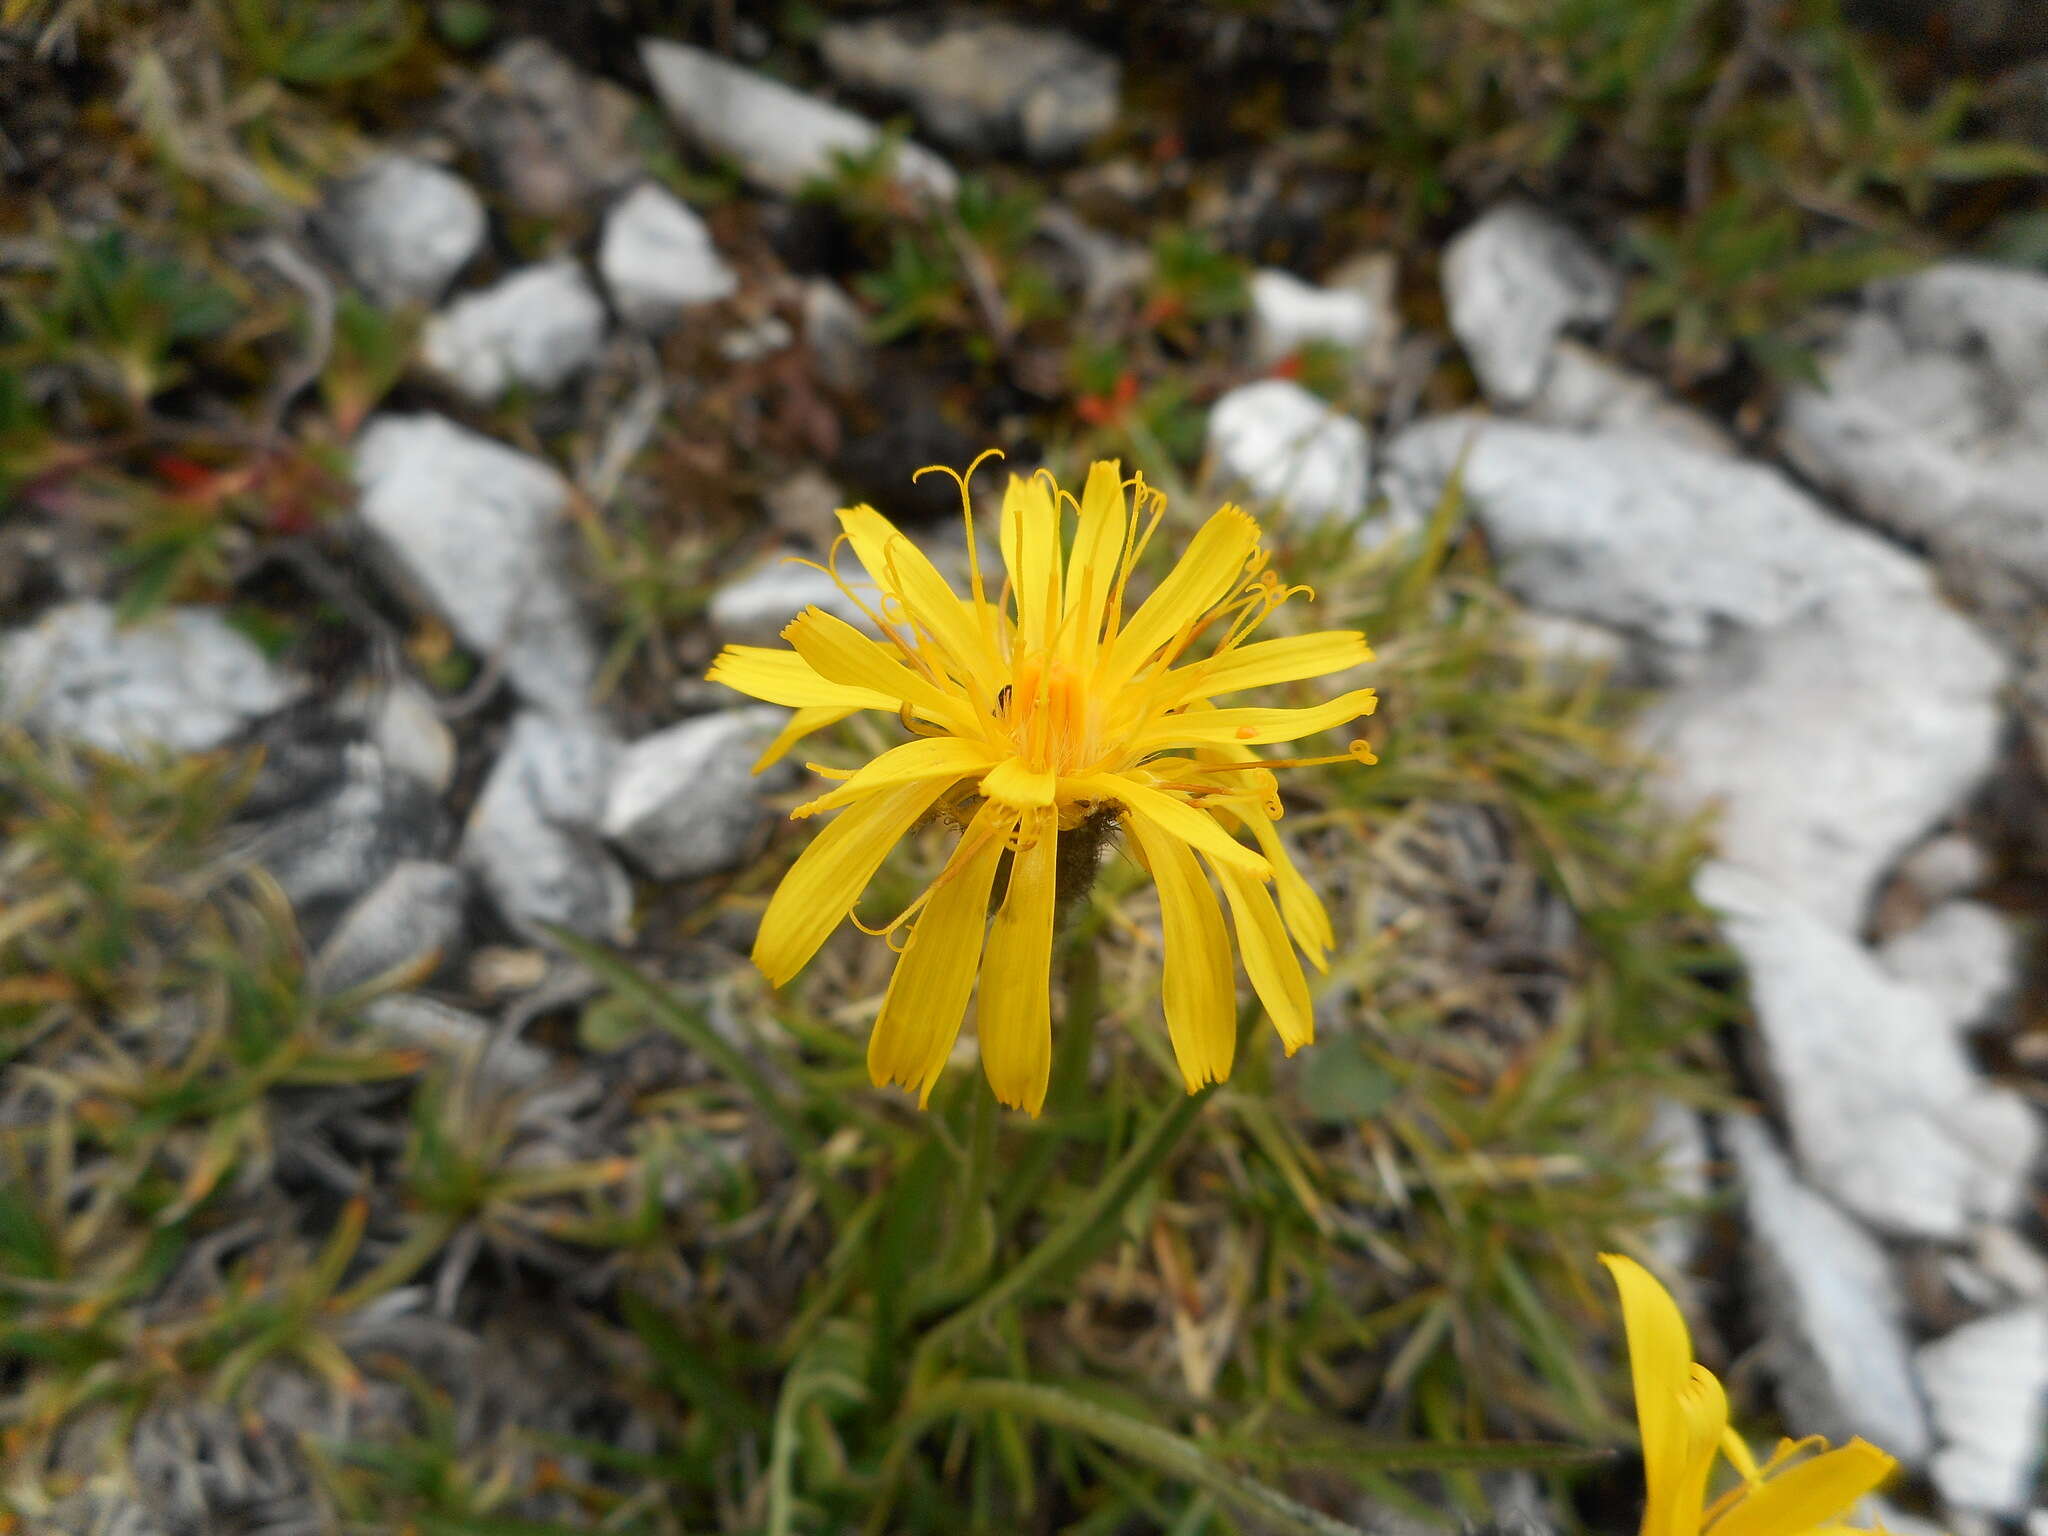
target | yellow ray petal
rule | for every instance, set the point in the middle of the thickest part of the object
(900, 567)
(1302, 910)
(1252, 727)
(1810, 1493)
(1031, 554)
(928, 991)
(1017, 786)
(929, 757)
(1286, 659)
(1268, 958)
(1015, 1018)
(801, 724)
(842, 654)
(784, 677)
(826, 880)
(1660, 1365)
(1098, 552)
(1175, 817)
(1702, 1414)
(1212, 567)
(1195, 986)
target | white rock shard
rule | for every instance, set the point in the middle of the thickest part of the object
(658, 260)
(684, 802)
(1964, 955)
(412, 917)
(1282, 444)
(1636, 532)
(1828, 745)
(532, 837)
(1513, 282)
(479, 530)
(184, 680)
(780, 138)
(1886, 1113)
(755, 607)
(536, 328)
(1987, 1391)
(1834, 1318)
(1288, 314)
(404, 228)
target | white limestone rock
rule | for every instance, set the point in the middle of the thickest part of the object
(536, 328)
(982, 83)
(1513, 282)
(479, 530)
(1834, 1317)
(780, 138)
(532, 839)
(552, 137)
(837, 333)
(1586, 392)
(1828, 745)
(684, 802)
(1946, 865)
(407, 1020)
(754, 608)
(1987, 1392)
(1281, 444)
(404, 228)
(404, 725)
(658, 260)
(183, 680)
(1288, 314)
(1636, 532)
(1677, 1143)
(1933, 415)
(1886, 1113)
(413, 918)
(1964, 955)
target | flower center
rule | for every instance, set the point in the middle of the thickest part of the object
(1046, 716)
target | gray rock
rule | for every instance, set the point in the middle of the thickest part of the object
(1585, 392)
(411, 917)
(658, 260)
(755, 608)
(1987, 1391)
(780, 138)
(1513, 282)
(404, 725)
(1834, 1318)
(183, 680)
(1638, 533)
(1933, 419)
(1946, 865)
(1356, 317)
(837, 334)
(1827, 746)
(408, 1020)
(1571, 643)
(536, 328)
(1964, 955)
(404, 228)
(1886, 1113)
(1677, 1143)
(982, 83)
(1281, 444)
(553, 138)
(479, 530)
(684, 802)
(329, 849)
(532, 837)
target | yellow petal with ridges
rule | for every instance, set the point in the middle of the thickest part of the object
(1176, 817)
(801, 724)
(928, 991)
(828, 877)
(839, 653)
(1097, 555)
(1813, 1492)
(1195, 983)
(1302, 910)
(1269, 958)
(1031, 554)
(1015, 1017)
(1660, 1366)
(1019, 787)
(929, 757)
(1212, 567)
(784, 677)
(900, 567)
(1287, 659)
(1252, 727)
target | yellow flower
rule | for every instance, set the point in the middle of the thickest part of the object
(1682, 1413)
(1044, 716)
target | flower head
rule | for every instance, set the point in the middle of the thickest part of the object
(1048, 708)
(1805, 1489)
